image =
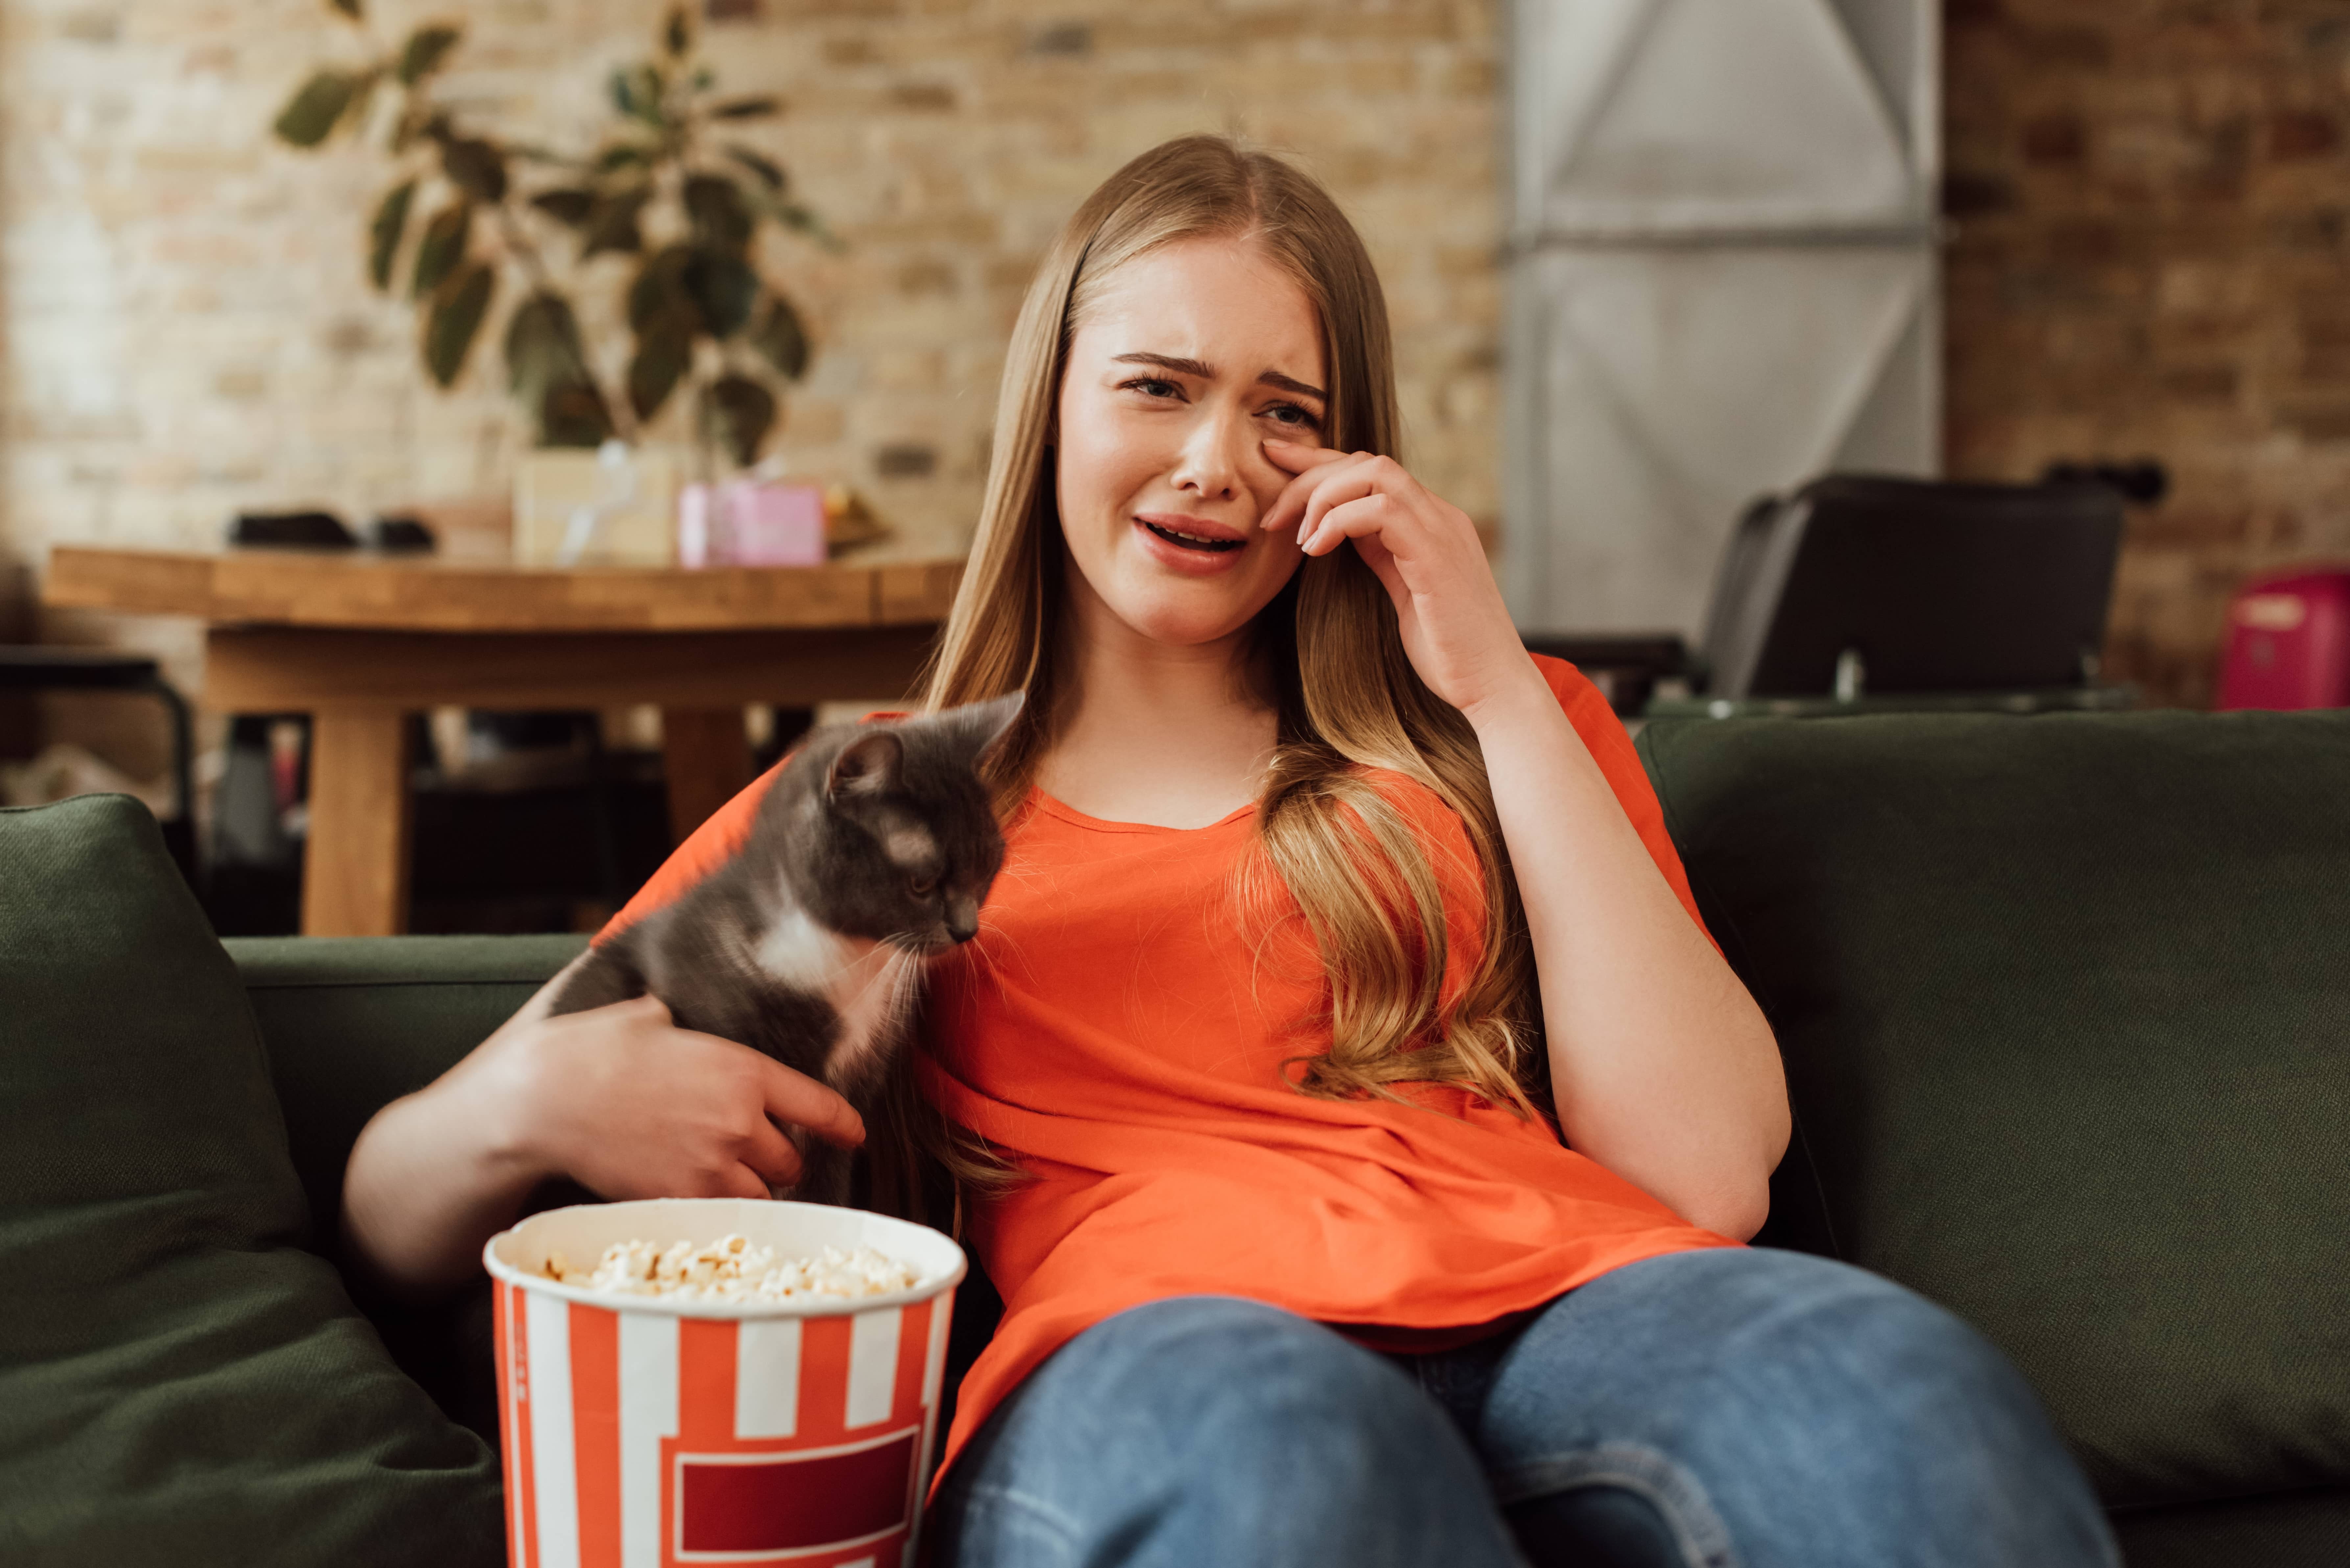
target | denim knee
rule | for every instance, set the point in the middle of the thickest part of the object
(1213, 1429)
(1807, 1412)
(1217, 1386)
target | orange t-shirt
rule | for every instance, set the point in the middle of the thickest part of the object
(1118, 1031)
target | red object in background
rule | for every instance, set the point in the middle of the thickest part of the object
(2289, 641)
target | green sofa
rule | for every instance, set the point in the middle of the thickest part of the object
(2064, 1001)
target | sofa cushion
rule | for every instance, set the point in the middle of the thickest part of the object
(2065, 1008)
(354, 1023)
(179, 1382)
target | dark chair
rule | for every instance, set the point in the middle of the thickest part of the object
(1856, 585)
(1859, 585)
(107, 670)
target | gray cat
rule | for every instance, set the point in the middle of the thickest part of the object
(871, 854)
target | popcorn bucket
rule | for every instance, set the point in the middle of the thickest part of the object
(646, 1431)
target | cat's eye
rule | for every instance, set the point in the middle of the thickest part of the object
(924, 886)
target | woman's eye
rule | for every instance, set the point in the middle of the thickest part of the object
(1290, 414)
(1151, 387)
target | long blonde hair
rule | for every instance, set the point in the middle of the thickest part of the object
(1347, 695)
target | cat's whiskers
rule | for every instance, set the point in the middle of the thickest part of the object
(874, 1015)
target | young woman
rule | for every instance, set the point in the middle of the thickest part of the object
(1358, 1120)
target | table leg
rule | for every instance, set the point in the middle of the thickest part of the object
(706, 758)
(355, 867)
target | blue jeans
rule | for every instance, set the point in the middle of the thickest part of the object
(1730, 1406)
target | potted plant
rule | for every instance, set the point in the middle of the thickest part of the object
(471, 219)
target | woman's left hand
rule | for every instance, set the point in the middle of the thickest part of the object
(1455, 628)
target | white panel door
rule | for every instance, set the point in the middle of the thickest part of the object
(1724, 282)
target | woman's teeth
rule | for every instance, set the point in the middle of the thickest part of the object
(1192, 541)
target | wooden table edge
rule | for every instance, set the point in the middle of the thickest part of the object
(355, 591)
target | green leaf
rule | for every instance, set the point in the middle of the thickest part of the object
(637, 93)
(546, 371)
(757, 108)
(723, 288)
(573, 413)
(780, 338)
(714, 206)
(664, 351)
(348, 7)
(311, 115)
(542, 346)
(476, 167)
(442, 246)
(623, 155)
(384, 233)
(659, 288)
(362, 94)
(736, 412)
(677, 33)
(569, 206)
(795, 216)
(611, 224)
(455, 318)
(769, 172)
(422, 53)
(414, 124)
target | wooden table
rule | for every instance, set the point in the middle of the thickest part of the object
(360, 642)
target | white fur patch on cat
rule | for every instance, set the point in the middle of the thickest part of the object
(870, 984)
(803, 954)
(910, 846)
(873, 997)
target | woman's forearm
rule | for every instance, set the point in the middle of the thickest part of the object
(1662, 1068)
(436, 1174)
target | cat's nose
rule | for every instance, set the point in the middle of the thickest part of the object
(962, 920)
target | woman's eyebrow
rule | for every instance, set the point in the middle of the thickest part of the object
(1291, 384)
(1200, 368)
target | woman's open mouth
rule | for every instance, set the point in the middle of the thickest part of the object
(1191, 547)
(1183, 539)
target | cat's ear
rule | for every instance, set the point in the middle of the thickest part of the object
(981, 726)
(866, 766)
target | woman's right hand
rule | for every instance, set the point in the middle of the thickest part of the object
(616, 1098)
(625, 1103)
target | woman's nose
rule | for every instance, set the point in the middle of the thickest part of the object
(1214, 453)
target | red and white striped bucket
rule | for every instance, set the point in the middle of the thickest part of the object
(645, 1433)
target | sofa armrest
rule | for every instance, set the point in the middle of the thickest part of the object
(353, 1024)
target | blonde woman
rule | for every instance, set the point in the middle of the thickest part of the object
(1354, 1113)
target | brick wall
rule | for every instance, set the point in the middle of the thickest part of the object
(2150, 199)
(187, 330)
(2152, 202)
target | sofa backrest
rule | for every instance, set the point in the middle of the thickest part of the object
(352, 1023)
(2065, 1003)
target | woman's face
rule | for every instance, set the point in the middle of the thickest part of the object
(1192, 356)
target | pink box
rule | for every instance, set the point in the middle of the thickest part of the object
(773, 525)
(745, 523)
(2289, 641)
